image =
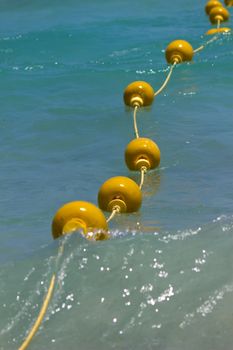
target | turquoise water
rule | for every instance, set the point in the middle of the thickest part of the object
(164, 281)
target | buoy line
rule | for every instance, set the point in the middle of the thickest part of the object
(121, 194)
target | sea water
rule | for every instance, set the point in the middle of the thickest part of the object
(164, 281)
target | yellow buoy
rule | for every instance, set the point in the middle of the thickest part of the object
(79, 215)
(219, 14)
(179, 51)
(228, 2)
(142, 152)
(211, 4)
(120, 192)
(138, 93)
(213, 31)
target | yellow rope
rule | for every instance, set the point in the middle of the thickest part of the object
(143, 172)
(166, 80)
(199, 48)
(115, 210)
(135, 121)
(41, 314)
(207, 43)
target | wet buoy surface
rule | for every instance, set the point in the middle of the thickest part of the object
(142, 152)
(122, 192)
(179, 51)
(138, 93)
(78, 215)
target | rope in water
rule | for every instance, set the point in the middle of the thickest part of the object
(166, 80)
(45, 304)
(115, 211)
(155, 94)
(41, 314)
(143, 172)
(135, 122)
(207, 43)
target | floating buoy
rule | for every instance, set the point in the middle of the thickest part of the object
(142, 152)
(211, 4)
(213, 31)
(79, 215)
(179, 51)
(138, 93)
(120, 192)
(219, 14)
(228, 2)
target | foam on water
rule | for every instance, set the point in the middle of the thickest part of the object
(160, 291)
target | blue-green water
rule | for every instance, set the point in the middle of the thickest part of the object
(165, 279)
